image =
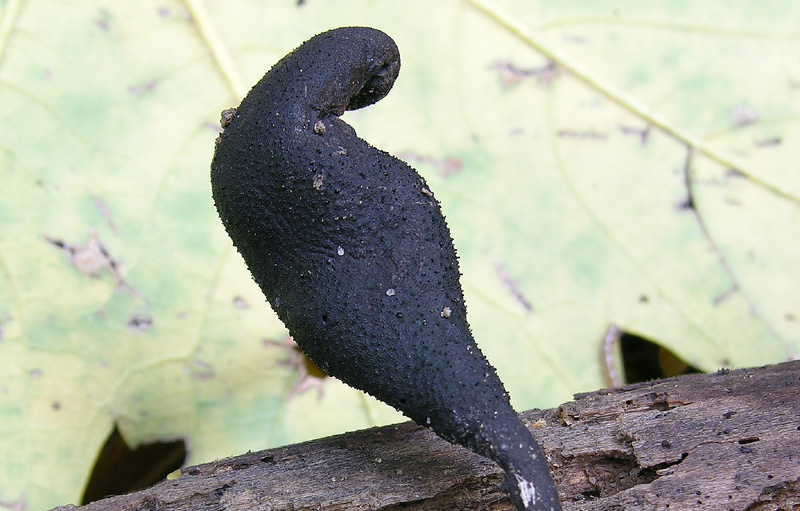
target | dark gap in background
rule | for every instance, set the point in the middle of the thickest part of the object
(120, 469)
(643, 360)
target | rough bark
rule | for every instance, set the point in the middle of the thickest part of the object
(724, 441)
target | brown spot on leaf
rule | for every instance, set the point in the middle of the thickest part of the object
(735, 173)
(642, 133)
(511, 284)
(769, 142)
(309, 375)
(687, 203)
(140, 323)
(15, 505)
(92, 259)
(138, 90)
(742, 115)
(102, 207)
(724, 295)
(202, 370)
(446, 166)
(103, 22)
(582, 134)
(511, 75)
(576, 39)
(89, 259)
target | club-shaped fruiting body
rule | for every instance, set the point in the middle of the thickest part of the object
(352, 251)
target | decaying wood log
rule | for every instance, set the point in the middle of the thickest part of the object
(724, 441)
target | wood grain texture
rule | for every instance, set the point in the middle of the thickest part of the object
(725, 441)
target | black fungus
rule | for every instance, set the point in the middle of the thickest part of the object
(337, 233)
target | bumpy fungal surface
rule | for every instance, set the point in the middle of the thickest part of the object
(351, 249)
